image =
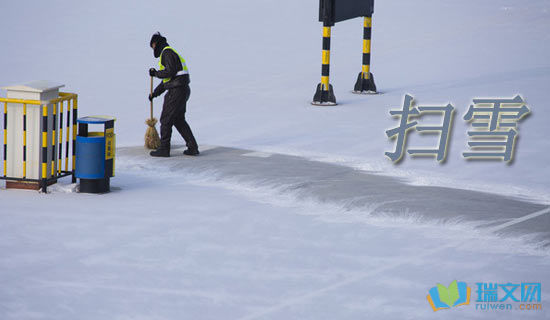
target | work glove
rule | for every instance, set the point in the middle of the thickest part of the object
(157, 92)
(152, 72)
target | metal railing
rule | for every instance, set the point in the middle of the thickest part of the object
(56, 138)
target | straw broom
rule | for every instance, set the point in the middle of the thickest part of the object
(152, 140)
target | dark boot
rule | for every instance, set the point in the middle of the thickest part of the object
(160, 152)
(191, 152)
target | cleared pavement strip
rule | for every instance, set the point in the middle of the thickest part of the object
(353, 189)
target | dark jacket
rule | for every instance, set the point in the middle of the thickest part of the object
(172, 65)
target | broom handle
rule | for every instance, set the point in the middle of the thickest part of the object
(151, 99)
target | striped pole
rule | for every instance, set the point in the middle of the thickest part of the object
(53, 138)
(68, 135)
(24, 140)
(367, 30)
(44, 148)
(5, 138)
(60, 137)
(75, 116)
(325, 67)
(324, 95)
(365, 80)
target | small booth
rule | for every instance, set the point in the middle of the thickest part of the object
(37, 138)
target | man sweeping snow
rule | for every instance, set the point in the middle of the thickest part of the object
(175, 78)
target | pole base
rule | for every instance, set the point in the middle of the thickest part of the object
(95, 185)
(364, 86)
(324, 98)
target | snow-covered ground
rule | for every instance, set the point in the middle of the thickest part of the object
(171, 244)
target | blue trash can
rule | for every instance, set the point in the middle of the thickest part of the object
(95, 154)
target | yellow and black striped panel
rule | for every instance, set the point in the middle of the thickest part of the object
(367, 29)
(68, 135)
(5, 138)
(44, 142)
(325, 68)
(24, 140)
(75, 117)
(60, 145)
(54, 138)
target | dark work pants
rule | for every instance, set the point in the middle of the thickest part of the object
(173, 114)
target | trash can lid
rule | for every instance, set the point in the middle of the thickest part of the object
(95, 119)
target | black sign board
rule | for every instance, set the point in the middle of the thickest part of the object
(332, 11)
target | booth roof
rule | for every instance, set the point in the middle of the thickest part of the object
(35, 86)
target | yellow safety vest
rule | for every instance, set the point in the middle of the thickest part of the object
(161, 66)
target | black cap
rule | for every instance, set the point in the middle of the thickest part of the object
(157, 38)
